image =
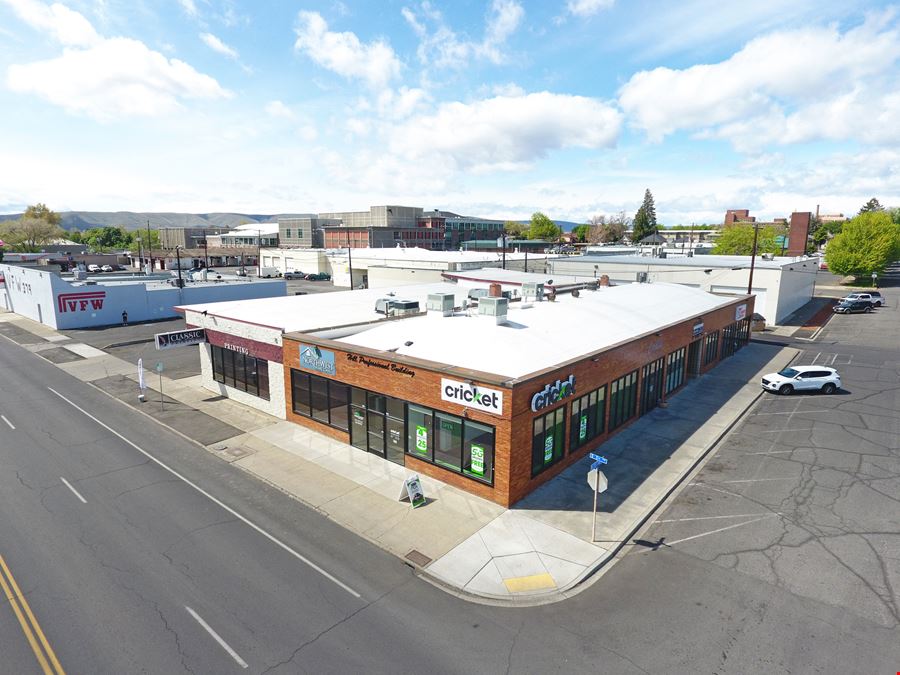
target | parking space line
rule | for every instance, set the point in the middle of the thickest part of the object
(77, 494)
(792, 412)
(9, 424)
(737, 515)
(721, 529)
(755, 480)
(215, 636)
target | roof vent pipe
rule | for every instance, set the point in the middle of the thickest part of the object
(494, 291)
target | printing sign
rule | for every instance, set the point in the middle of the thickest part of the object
(180, 338)
(314, 358)
(553, 393)
(472, 396)
(740, 312)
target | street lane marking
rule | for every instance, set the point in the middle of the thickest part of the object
(755, 480)
(721, 529)
(69, 485)
(275, 540)
(224, 645)
(10, 424)
(19, 604)
(739, 515)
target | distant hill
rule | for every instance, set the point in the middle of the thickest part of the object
(84, 220)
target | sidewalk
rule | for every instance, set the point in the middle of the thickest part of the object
(538, 551)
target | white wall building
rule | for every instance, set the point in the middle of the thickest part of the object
(781, 285)
(56, 302)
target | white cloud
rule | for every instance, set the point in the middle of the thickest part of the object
(585, 8)
(507, 132)
(116, 77)
(65, 25)
(374, 63)
(440, 45)
(789, 86)
(278, 109)
(189, 7)
(217, 45)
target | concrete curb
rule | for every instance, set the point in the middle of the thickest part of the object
(590, 576)
(128, 343)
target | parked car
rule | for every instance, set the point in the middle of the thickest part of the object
(294, 274)
(872, 296)
(853, 307)
(269, 272)
(823, 265)
(318, 276)
(803, 378)
(93, 268)
(107, 268)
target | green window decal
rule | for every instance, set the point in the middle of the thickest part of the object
(478, 460)
(548, 449)
(421, 440)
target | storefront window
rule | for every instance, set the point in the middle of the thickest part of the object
(547, 440)
(451, 442)
(588, 413)
(448, 449)
(622, 398)
(319, 398)
(675, 370)
(735, 336)
(710, 348)
(240, 371)
(418, 428)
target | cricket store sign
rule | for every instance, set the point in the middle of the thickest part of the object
(472, 396)
(553, 393)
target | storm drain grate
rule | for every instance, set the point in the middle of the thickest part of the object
(418, 558)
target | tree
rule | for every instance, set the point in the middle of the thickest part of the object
(515, 229)
(41, 212)
(871, 205)
(543, 228)
(737, 239)
(28, 234)
(820, 232)
(868, 243)
(581, 232)
(139, 239)
(645, 219)
(100, 238)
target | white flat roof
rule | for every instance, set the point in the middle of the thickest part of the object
(486, 275)
(427, 255)
(321, 310)
(543, 335)
(698, 261)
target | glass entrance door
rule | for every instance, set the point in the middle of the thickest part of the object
(651, 387)
(376, 433)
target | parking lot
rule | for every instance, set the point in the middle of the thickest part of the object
(804, 494)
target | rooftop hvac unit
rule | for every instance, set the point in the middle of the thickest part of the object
(495, 308)
(440, 303)
(404, 307)
(533, 290)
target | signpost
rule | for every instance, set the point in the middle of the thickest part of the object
(597, 480)
(141, 384)
(875, 279)
(159, 369)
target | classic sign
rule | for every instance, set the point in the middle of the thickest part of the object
(180, 338)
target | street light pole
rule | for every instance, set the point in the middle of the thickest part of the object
(149, 245)
(753, 257)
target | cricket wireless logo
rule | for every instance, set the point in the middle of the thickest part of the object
(472, 396)
(553, 393)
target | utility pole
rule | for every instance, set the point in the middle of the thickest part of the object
(178, 262)
(350, 259)
(149, 245)
(753, 257)
(258, 254)
(504, 250)
(205, 251)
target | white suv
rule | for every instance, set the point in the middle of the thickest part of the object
(874, 297)
(803, 378)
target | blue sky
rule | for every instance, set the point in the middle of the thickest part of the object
(495, 108)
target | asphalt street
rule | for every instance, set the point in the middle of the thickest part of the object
(128, 567)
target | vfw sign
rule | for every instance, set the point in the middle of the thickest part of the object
(80, 302)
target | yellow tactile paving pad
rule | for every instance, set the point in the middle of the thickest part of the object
(534, 582)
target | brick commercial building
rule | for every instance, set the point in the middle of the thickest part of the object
(494, 399)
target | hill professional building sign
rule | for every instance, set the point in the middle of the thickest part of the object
(472, 396)
(553, 393)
